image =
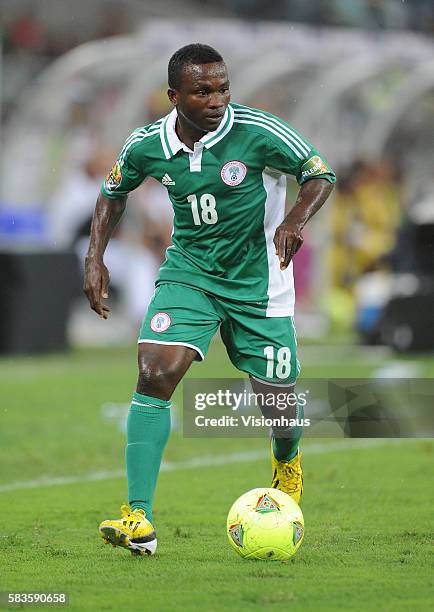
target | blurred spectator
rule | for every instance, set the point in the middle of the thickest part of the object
(28, 33)
(406, 272)
(365, 217)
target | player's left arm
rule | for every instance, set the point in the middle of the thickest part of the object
(288, 237)
(288, 152)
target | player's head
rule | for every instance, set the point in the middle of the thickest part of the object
(199, 86)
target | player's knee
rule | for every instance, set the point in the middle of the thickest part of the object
(150, 372)
(156, 378)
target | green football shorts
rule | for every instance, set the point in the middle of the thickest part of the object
(264, 347)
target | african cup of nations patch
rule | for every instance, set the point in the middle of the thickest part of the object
(313, 167)
(160, 322)
(233, 173)
(113, 178)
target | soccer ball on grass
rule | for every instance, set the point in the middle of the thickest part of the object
(265, 524)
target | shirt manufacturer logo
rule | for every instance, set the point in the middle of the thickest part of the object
(167, 180)
(233, 173)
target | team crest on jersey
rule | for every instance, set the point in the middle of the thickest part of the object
(114, 177)
(233, 173)
(160, 322)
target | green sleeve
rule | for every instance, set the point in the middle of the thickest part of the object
(291, 154)
(126, 175)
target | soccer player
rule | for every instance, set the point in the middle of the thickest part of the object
(230, 265)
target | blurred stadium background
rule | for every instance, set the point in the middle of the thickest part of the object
(356, 77)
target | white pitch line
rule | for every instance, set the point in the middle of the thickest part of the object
(195, 462)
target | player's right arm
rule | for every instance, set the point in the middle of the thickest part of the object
(127, 174)
(106, 216)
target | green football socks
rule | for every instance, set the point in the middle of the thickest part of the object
(286, 441)
(148, 429)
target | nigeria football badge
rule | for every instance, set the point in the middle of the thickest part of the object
(160, 322)
(233, 173)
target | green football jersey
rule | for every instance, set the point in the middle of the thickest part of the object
(228, 196)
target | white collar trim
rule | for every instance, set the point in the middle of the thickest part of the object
(171, 143)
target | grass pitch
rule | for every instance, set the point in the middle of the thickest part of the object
(367, 504)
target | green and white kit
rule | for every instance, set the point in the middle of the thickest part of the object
(228, 196)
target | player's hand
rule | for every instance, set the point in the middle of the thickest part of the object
(287, 240)
(96, 282)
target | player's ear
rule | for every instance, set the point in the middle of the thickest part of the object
(173, 96)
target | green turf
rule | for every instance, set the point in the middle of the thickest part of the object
(368, 511)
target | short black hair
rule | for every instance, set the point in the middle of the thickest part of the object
(190, 54)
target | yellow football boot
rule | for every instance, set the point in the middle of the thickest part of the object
(132, 531)
(288, 476)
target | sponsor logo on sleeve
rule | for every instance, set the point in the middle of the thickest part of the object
(113, 178)
(233, 173)
(313, 167)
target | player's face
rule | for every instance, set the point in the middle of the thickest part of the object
(203, 95)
